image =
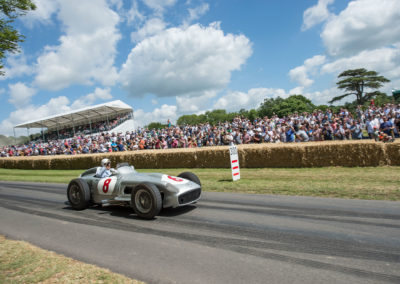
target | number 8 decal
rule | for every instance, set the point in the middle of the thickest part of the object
(106, 185)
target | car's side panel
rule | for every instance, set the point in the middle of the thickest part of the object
(106, 185)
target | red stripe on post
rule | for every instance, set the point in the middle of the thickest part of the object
(234, 168)
(234, 161)
(236, 174)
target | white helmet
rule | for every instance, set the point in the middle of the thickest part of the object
(104, 162)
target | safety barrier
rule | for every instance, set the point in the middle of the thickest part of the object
(312, 154)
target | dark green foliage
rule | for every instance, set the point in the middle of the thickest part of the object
(396, 95)
(156, 125)
(323, 107)
(382, 98)
(213, 117)
(7, 140)
(284, 107)
(190, 119)
(9, 37)
(355, 81)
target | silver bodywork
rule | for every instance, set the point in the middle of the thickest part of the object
(116, 189)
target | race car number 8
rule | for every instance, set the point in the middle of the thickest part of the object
(175, 179)
(106, 185)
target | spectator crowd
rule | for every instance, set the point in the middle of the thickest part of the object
(380, 123)
(82, 130)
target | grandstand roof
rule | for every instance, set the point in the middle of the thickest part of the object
(79, 117)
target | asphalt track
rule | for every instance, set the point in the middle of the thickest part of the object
(224, 238)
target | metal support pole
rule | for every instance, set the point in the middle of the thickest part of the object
(73, 125)
(90, 123)
(107, 123)
(15, 137)
(43, 134)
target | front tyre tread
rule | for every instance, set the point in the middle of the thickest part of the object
(148, 191)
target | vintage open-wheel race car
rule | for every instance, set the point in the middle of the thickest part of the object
(146, 193)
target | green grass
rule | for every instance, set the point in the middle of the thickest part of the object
(380, 183)
(21, 262)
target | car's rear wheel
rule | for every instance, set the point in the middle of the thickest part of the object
(190, 176)
(78, 193)
(146, 200)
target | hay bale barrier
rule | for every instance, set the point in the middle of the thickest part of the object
(366, 153)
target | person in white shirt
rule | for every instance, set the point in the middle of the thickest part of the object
(105, 169)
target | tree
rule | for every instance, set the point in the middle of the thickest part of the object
(10, 37)
(156, 125)
(355, 82)
(284, 107)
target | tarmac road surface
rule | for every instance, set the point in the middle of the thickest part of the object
(224, 238)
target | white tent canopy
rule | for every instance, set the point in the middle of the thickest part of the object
(79, 117)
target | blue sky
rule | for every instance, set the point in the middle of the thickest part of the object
(167, 58)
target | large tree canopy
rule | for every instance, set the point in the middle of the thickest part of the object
(213, 117)
(356, 81)
(284, 107)
(10, 37)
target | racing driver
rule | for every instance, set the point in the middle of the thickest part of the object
(105, 169)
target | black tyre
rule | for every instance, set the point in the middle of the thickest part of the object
(190, 176)
(78, 193)
(146, 200)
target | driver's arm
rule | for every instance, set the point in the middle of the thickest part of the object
(100, 171)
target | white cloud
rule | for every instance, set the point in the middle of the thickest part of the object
(316, 14)
(323, 97)
(366, 34)
(32, 112)
(197, 12)
(90, 99)
(43, 12)
(301, 73)
(184, 61)
(20, 94)
(196, 103)
(151, 27)
(297, 91)
(234, 101)
(86, 52)
(159, 6)
(118, 4)
(133, 14)
(162, 114)
(17, 66)
(364, 24)
(386, 59)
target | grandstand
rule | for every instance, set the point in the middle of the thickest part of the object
(115, 116)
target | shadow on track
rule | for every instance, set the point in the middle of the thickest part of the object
(127, 211)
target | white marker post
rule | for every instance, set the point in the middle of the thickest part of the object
(234, 162)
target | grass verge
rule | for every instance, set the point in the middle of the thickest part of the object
(21, 262)
(374, 183)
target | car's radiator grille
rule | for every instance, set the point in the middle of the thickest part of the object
(189, 196)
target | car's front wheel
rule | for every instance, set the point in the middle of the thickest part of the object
(146, 200)
(190, 176)
(78, 193)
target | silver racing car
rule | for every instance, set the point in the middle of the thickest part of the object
(146, 193)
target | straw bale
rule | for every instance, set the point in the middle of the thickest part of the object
(293, 155)
(393, 153)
